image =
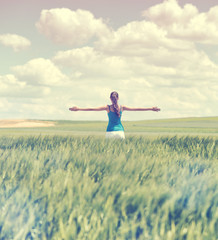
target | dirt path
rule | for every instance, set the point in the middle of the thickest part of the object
(23, 123)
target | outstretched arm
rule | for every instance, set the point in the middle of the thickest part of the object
(88, 109)
(155, 109)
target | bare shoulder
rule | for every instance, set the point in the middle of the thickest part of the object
(124, 107)
(103, 107)
(108, 108)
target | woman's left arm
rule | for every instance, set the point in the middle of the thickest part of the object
(88, 109)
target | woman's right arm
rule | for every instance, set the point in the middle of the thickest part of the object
(155, 109)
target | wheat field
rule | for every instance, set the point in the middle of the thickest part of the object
(86, 187)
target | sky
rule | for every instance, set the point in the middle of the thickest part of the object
(56, 54)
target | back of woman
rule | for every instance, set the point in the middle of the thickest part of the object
(115, 128)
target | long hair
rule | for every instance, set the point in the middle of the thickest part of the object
(114, 98)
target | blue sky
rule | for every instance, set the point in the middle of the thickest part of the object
(57, 54)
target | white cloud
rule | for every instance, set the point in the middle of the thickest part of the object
(74, 28)
(40, 71)
(212, 15)
(91, 63)
(185, 23)
(137, 38)
(11, 87)
(169, 12)
(17, 42)
(161, 66)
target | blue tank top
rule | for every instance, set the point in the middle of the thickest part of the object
(114, 123)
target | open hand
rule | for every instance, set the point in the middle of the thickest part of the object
(155, 109)
(74, 109)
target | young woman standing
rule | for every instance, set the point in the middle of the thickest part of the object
(115, 128)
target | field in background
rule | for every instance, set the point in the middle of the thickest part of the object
(196, 126)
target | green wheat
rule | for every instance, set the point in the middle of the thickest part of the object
(61, 187)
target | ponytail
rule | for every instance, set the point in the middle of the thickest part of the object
(114, 98)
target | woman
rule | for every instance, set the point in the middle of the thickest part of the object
(115, 128)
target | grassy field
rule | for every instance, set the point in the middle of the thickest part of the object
(191, 126)
(59, 183)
